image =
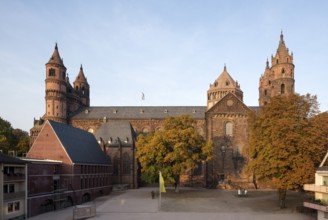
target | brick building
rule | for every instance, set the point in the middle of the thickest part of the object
(223, 120)
(67, 167)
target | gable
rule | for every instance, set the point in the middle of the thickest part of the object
(229, 104)
(81, 146)
(48, 146)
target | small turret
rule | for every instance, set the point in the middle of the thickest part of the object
(81, 85)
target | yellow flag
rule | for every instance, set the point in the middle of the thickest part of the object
(161, 182)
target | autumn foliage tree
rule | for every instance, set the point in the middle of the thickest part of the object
(173, 151)
(288, 140)
(13, 139)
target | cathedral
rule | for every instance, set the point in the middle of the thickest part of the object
(224, 119)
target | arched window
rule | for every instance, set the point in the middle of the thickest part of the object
(52, 72)
(228, 129)
(126, 163)
(283, 71)
(116, 164)
(277, 61)
(282, 89)
(265, 92)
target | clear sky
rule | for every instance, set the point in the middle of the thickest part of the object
(171, 50)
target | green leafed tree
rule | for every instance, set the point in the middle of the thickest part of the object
(176, 149)
(288, 140)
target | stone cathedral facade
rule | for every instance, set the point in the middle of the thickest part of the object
(224, 119)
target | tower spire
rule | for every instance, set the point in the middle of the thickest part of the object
(267, 64)
(55, 57)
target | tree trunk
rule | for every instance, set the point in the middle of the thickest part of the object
(282, 197)
(254, 181)
(177, 184)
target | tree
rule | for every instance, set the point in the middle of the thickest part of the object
(173, 151)
(13, 139)
(6, 136)
(288, 139)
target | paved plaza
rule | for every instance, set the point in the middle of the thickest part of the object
(190, 204)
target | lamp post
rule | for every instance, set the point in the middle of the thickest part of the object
(223, 151)
(121, 159)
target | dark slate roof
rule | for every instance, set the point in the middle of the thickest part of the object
(115, 130)
(10, 160)
(255, 108)
(143, 112)
(139, 112)
(81, 146)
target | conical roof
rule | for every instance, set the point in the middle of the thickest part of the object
(55, 58)
(282, 50)
(81, 77)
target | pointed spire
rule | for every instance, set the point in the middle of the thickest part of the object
(225, 68)
(282, 47)
(267, 64)
(55, 58)
(81, 77)
(282, 54)
(281, 36)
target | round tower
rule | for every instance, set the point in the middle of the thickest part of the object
(81, 85)
(56, 102)
(279, 79)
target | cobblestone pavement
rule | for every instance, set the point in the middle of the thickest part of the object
(190, 204)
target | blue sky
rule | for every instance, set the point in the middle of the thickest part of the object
(170, 50)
